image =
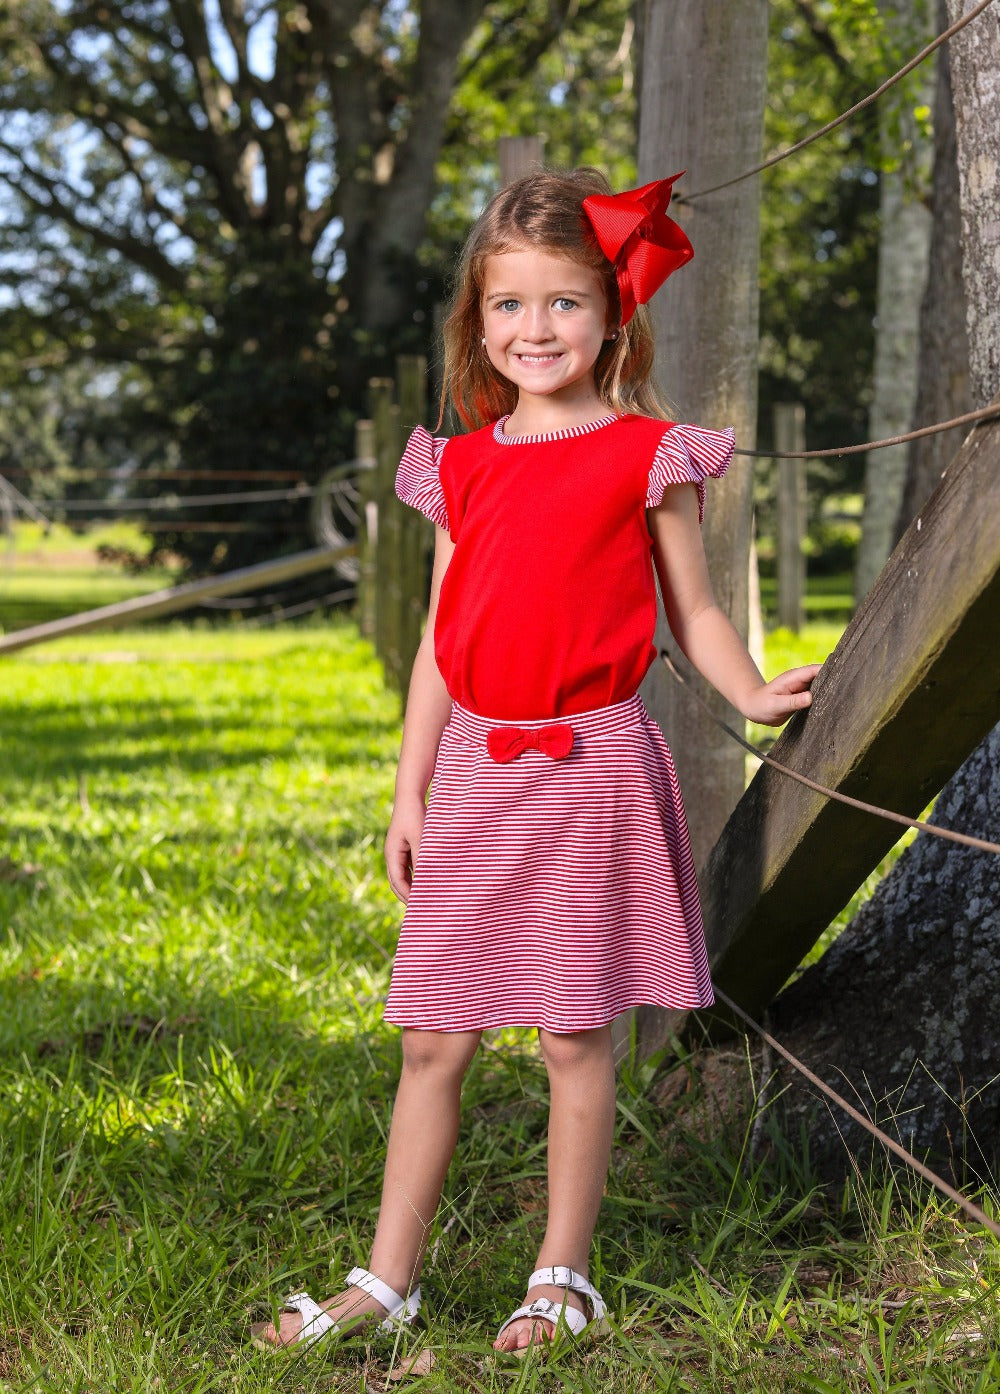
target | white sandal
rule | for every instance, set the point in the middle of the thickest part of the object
(317, 1323)
(563, 1318)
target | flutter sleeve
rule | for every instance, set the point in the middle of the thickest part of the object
(418, 479)
(689, 455)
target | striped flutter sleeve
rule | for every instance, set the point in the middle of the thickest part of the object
(418, 479)
(689, 455)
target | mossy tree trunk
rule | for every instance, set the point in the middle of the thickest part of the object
(943, 361)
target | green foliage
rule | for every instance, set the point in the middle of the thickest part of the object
(195, 1083)
(819, 227)
(204, 253)
(226, 207)
(578, 94)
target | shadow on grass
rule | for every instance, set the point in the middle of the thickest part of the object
(216, 1107)
(72, 737)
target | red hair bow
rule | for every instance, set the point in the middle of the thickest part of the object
(637, 236)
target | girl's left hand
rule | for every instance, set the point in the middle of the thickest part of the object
(774, 702)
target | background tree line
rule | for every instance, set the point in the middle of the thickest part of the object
(218, 221)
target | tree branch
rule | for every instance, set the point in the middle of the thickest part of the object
(227, 141)
(825, 39)
(54, 198)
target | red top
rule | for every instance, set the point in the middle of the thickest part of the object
(548, 606)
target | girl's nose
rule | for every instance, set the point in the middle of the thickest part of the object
(537, 324)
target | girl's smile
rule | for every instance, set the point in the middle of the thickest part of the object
(545, 320)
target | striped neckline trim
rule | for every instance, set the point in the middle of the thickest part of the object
(567, 433)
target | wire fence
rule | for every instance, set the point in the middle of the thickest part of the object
(376, 548)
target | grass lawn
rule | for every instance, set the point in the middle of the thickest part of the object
(829, 597)
(45, 575)
(195, 1082)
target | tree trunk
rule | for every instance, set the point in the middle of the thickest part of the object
(702, 107)
(904, 245)
(922, 959)
(943, 366)
(904, 1003)
(975, 75)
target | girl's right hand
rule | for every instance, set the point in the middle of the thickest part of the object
(402, 845)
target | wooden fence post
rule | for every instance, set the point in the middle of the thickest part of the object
(790, 434)
(416, 536)
(398, 536)
(519, 155)
(364, 453)
(385, 420)
(908, 693)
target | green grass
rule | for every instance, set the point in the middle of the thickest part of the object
(828, 597)
(195, 1082)
(45, 575)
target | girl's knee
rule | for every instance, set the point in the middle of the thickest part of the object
(438, 1052)
(576, 1049)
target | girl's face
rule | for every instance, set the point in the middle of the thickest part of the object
(545, 319)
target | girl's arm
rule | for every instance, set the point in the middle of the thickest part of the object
(427, 710)
(705, 634)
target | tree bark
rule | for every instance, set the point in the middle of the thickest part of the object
(975, 71)
(904, 1003)
(922, 960)
(904, 246)
(702, 107)
(943, 366)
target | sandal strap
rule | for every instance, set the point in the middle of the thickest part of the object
(544, 1309)
(562, 1277)
(397, 1308)
(315, 1321)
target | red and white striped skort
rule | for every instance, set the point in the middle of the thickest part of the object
(551, 892)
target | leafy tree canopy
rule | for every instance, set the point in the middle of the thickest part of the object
(219, 217)
(820, 215)
(231, 197)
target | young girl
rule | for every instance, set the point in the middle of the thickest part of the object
(549, 881)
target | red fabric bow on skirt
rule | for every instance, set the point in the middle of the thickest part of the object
(505, 743)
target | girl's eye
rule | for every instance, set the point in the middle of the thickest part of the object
(565, 303)
(507, 305)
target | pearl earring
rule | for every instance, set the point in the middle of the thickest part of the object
(612, 336)
(483, 341)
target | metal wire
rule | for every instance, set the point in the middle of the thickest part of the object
(846, 115)
(970, 1208)
(968, 418)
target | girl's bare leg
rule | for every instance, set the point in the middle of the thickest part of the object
(422, 1140)
(581, 1127)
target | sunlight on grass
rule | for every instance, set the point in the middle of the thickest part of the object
(195, 1081)
(47, 573)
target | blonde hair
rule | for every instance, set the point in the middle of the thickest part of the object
(544, 211)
